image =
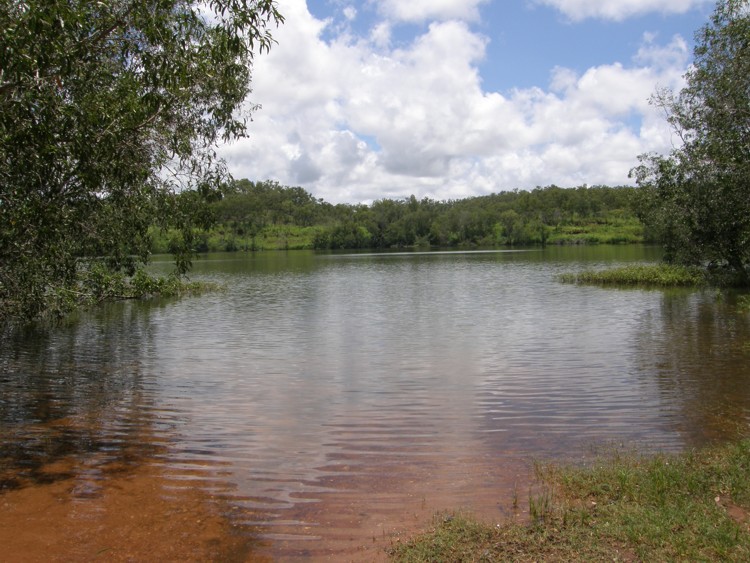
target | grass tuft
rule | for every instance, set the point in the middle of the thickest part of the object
(690, 507)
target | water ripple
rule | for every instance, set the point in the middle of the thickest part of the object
(317, 384)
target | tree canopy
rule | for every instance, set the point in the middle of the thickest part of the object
(268, 215)
(698, 197)
(107, 110)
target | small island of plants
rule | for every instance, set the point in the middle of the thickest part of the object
(642, 275)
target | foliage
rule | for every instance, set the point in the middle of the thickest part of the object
(252, 213)
(697, 199)
(107, 110)
(660, 275)
(95, 283)
(692, 507)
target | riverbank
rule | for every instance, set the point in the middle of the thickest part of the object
(624, 507)
(223, 238)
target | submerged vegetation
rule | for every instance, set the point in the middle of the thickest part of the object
(96, 283)
(689, 507)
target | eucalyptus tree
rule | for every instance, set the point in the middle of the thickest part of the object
(698, 197)
(108, 110)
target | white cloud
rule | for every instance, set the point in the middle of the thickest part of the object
(663, 57)
(428, 10)
(355, 120)
(381, 35)
(620, 9)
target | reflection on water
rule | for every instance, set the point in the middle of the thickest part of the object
(336, 393)
(696, 349)
(74, 391)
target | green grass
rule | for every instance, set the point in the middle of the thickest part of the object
(609, 231)
(656, 275)
(690, 507)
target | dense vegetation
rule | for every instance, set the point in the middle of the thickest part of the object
(651, 275)
(697, 199)
(693, 507)
(107, 110)
(267, 215)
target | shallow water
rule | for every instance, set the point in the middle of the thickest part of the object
(332, 398)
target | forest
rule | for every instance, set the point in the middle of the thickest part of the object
(269, 216)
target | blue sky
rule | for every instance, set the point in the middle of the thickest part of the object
(366, 99)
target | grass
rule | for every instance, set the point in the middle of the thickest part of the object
(610, 231)
(625, 507)
(655, 275)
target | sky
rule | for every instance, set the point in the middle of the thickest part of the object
(363, 100)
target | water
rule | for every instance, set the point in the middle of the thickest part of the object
(329, 397)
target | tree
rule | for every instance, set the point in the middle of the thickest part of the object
(697, 199)
(108, 110)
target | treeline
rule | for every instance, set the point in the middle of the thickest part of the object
(268, 215)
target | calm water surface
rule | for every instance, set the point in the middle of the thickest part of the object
(325, 396)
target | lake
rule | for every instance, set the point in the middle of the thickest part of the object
(329, 402)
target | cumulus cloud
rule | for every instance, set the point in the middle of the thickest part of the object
(619, 10)
(353, 119)
(429, 10)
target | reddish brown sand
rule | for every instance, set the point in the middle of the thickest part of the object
(132, 517)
